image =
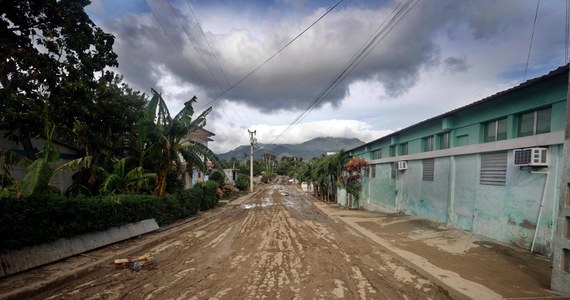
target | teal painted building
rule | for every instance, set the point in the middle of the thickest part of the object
(467, 167)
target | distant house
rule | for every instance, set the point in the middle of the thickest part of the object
(231, 175)
(67, 152)
(201, 136)
(492, 167)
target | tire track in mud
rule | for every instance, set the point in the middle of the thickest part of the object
(275, 245)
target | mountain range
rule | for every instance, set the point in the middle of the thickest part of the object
(307, 150)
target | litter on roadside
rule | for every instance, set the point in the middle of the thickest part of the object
(134, 263)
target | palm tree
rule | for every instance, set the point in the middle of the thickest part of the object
(169, 149)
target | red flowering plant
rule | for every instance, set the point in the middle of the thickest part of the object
(351, 177)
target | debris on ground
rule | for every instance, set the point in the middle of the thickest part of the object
(134, 263)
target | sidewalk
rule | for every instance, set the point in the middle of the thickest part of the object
(466, 265)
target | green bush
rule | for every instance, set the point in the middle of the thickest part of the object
(48, 217)
(190, 200)
(268, 177)
(217, 177)
(242, 182)
(210, 199)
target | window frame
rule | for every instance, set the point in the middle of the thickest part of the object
(428, 143)
(377, 154)
(497, 136)
(535, 122)
(445, 140)
(403, 148)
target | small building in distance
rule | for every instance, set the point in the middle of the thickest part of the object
(201, 136)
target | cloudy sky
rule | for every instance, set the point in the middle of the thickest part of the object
(433, 57)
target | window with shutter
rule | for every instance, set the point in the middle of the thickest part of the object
(493, 168)
(428, 169)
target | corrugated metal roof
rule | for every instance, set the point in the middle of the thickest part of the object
(558, 71)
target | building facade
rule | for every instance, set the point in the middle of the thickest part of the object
(492, 167)
(201, 136)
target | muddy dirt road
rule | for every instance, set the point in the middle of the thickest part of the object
(273, 245)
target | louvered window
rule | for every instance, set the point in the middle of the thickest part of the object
(494, 168)
(428, 169)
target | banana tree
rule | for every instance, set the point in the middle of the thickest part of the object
(169, 149)
(122, 180)
(37, 173)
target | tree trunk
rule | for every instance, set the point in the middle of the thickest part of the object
(26, 143)
(161, 183)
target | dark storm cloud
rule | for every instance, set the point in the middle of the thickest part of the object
(454, 64)
(297, 75)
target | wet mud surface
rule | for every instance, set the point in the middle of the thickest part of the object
(273, 245)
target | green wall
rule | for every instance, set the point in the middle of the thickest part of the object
(506, 213)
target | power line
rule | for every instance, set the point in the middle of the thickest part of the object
(217, 62)
(174, 44)
(201, 56)
(207, 43)
(193, 43)
(379, 34)
(531, 38)
(567, 32)
(272, 56)
(180, 51)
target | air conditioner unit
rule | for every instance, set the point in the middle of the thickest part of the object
(401, 165)
(531, 157)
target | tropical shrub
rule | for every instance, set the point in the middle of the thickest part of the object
(267, 177)
(229, 190)
(47, 217)
(242, 182)
(217, 177)
(351, 177)
(210, 199)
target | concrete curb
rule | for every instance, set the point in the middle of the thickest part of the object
(16, 261)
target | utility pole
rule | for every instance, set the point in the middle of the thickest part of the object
(252, 140)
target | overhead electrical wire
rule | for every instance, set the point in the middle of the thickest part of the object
(174, 43)
(379, 34)
(199, 53)
(531, 38)
(179, 50)
(272, 56)
(194, 44)
(207, 43)
(217, 62)
(567, 31)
